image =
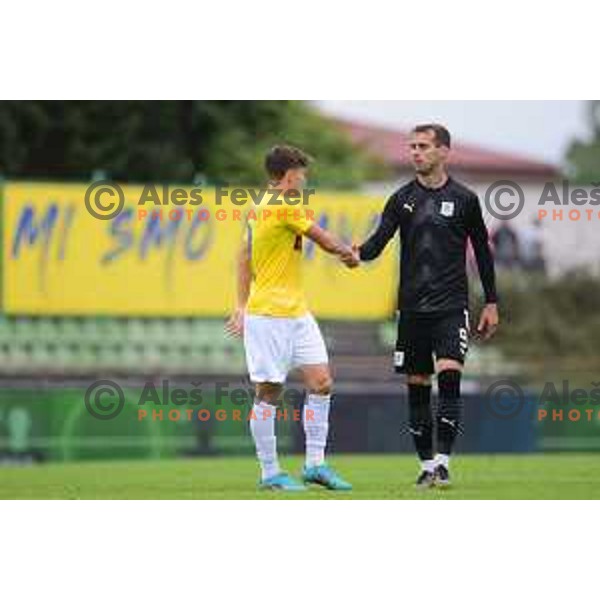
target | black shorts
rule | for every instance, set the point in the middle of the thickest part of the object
(422, 335)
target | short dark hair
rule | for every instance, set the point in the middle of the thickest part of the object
(441, 134)
(280, 159)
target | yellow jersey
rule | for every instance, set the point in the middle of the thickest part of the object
(274, 241)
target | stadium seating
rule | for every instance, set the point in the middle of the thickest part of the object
(80, 346)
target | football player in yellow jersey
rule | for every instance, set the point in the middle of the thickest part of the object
(279, 332)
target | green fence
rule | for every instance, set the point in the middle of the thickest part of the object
(55, 424)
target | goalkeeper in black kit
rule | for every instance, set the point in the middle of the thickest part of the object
(436, 216)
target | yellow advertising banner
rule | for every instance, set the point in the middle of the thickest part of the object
(170, 251)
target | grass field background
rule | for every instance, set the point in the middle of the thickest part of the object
(538, 476)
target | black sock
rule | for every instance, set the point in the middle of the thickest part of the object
(449, 410)
(420, 419)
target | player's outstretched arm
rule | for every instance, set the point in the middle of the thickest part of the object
(235, 324)
(378, 240)
(331, 244)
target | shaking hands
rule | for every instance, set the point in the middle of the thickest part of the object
(350, 256)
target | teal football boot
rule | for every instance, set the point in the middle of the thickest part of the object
(324, 475)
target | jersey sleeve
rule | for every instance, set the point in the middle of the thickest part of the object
(478, 235)
(297, 220)
(388, 225)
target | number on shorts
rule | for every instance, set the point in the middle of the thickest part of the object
(464, 339)
(463, 334)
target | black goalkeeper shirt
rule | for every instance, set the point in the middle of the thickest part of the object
(434, 224)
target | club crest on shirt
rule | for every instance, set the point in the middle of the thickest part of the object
(447, 209)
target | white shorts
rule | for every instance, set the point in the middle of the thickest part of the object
(276, 345)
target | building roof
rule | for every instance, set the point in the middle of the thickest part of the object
(392, 147)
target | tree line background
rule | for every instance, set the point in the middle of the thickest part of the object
(220, 141)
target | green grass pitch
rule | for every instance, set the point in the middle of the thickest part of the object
(388, 477)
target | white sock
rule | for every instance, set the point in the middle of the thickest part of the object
(442, 459)
(263, 432)
(428, 465)
(316, 427)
